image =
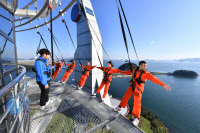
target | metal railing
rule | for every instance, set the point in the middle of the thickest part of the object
(14, 109)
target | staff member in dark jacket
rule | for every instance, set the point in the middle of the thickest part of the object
(43, 75)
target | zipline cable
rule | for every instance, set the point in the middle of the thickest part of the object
(50, 7)
(125, 42)
(128, 29)
(46, 44)
(57, 47)
(71, 39)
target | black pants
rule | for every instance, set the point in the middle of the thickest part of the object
(44, 97)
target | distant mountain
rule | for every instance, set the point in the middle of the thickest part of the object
(190, 60)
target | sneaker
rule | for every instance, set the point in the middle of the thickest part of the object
(49, 102)
(48, 107)
(79, 88)
(42, 107)
(59, 81)
(117, 109)
(102, 99)
(63, 82)
(94, 94)
(135, 122)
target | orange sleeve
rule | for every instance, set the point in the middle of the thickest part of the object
(115, 70)
(68, 64)
(154, 79)
(91, 67)
(83, 66)
(127, 72)
(104, 68)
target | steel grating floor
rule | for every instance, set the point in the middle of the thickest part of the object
(75, 111)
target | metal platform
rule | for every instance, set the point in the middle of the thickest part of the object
(72, 110)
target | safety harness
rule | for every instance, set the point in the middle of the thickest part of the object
(106, 75)
(85, 70)
(138, 80)
(46, 73)
(69, 68)
(57, 67)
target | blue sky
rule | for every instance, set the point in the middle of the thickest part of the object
(161, 29)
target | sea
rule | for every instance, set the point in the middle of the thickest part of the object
(178, 109)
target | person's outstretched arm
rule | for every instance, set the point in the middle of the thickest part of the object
(116, 71)
(91, 67)
(127, 72)
(82, 66)
(157, 81)
(104, 68)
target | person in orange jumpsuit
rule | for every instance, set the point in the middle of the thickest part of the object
(58, 68)
(85, 75)
(107, 78)
(68, 72)
(136, 88)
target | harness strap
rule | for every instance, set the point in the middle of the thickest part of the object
(138, 80)
(46, 73)
(106, 75)
(138, 88)
(85, 70)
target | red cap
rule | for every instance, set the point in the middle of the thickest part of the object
(49, 6)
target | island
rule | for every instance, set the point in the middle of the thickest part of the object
(178, 73)
(126, 66)
(185, 73)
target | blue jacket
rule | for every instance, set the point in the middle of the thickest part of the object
(40, 67)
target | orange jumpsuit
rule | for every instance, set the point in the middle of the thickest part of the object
(107, 79)
(138, 91)
(86, 73)
(68, 72)
(58, 68)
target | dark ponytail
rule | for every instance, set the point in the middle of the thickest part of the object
(110, 62)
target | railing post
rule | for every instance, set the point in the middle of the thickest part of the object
(2, 84)
(15, 90)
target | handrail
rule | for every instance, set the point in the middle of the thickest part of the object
(24, 103)
(10, 107)
(13, 125)
(5, 73)
(10, 85)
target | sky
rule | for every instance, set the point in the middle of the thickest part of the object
(161, 29)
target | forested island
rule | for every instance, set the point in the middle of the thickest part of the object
(185, 73)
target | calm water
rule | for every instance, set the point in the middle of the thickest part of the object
(179, 109)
